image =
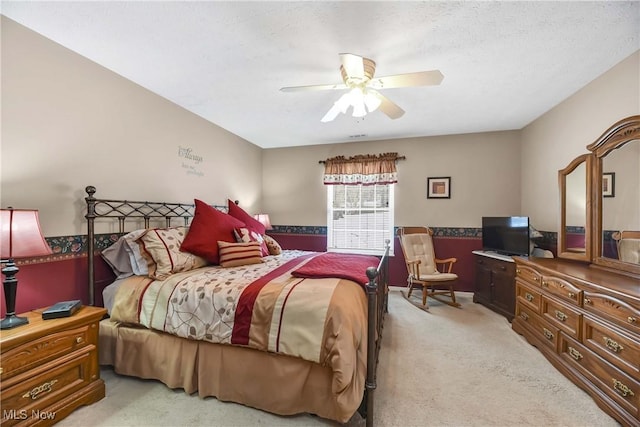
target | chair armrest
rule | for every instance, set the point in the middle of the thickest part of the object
(449, 261)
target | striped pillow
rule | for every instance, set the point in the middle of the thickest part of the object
(235, 254)
(161, 249)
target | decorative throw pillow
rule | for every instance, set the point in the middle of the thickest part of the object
(162, 250)
(252, 224)
(209, 225)
(245, 235)
(124, 256)
(274, 247)
(235, 254)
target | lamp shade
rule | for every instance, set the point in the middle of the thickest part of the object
(21, 235)
(264, 220)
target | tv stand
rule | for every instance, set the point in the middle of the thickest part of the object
(495, 282)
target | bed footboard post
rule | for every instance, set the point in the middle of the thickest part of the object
(90, 216)
(372, 321)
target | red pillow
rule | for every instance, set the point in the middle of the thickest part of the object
(208, 226)
(251, 223)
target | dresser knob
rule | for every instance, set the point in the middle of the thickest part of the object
(572, 295)
(587, 300)
(518, 271)
(631, 319)
(528, 296)
(78, 340)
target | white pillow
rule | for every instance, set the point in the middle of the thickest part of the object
(124, 256)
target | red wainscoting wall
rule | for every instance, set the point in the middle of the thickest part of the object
(42, 284)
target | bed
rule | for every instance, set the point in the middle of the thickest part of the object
(290, 332)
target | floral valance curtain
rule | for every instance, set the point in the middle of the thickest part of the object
(366, 169)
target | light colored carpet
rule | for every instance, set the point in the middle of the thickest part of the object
(442, 367)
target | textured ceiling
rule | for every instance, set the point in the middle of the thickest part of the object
(504, 63)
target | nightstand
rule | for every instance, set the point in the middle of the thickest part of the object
(49, 368)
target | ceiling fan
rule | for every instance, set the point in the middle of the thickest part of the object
(357, 76)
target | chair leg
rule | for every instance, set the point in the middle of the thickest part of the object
(425, 290)
(410, 286)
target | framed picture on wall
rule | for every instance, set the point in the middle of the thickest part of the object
(439, 187)
(608, 184)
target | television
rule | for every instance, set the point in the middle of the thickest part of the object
(506, 235)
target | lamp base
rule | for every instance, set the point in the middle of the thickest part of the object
(12, 321)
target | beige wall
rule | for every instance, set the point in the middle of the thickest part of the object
(557, 137)
(68, 123)
(293, 192)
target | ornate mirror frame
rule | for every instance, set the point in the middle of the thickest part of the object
(564, 251)
(622, 132)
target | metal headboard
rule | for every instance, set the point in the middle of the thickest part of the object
(128, 209)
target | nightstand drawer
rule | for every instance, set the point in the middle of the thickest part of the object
(44, 349)
(28, 396)
(564, 317)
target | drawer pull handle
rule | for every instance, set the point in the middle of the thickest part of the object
(572, 295)
(518, 271)
(575, 353)
(528, 296)
(524, 316)
(631, 319)
(535, 279)
(548, 334)
(78, 340)
(42, 388)
(622, 389)
(561, 316)
(612, 345)
(587, 301)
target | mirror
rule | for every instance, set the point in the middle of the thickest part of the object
(616, 178)
(574, 238)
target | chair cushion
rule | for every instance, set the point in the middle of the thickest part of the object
(438, 277)
(420, 247)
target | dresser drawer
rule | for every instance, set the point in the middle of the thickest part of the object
(562, 289)
(28, 396)
(618, 311)
(528, 296)
(529, 274)
(562, 316)
(619, 348)
(44, 349)
(542, 330)
(620, 387)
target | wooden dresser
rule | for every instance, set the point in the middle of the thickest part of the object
(48, 368)
(586, 321)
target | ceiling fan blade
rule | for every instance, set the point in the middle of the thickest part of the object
(337, 86)
(421, 78)
(331, 114)
(389, 107)
(353, 65)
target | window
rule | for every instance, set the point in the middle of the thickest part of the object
(359, 218)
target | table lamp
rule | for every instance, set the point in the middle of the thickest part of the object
(21, 237)
(264, 220)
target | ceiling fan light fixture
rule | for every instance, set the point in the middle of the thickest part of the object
(359, 110)
(372, 101)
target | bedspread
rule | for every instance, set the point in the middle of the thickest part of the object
(262, 306)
